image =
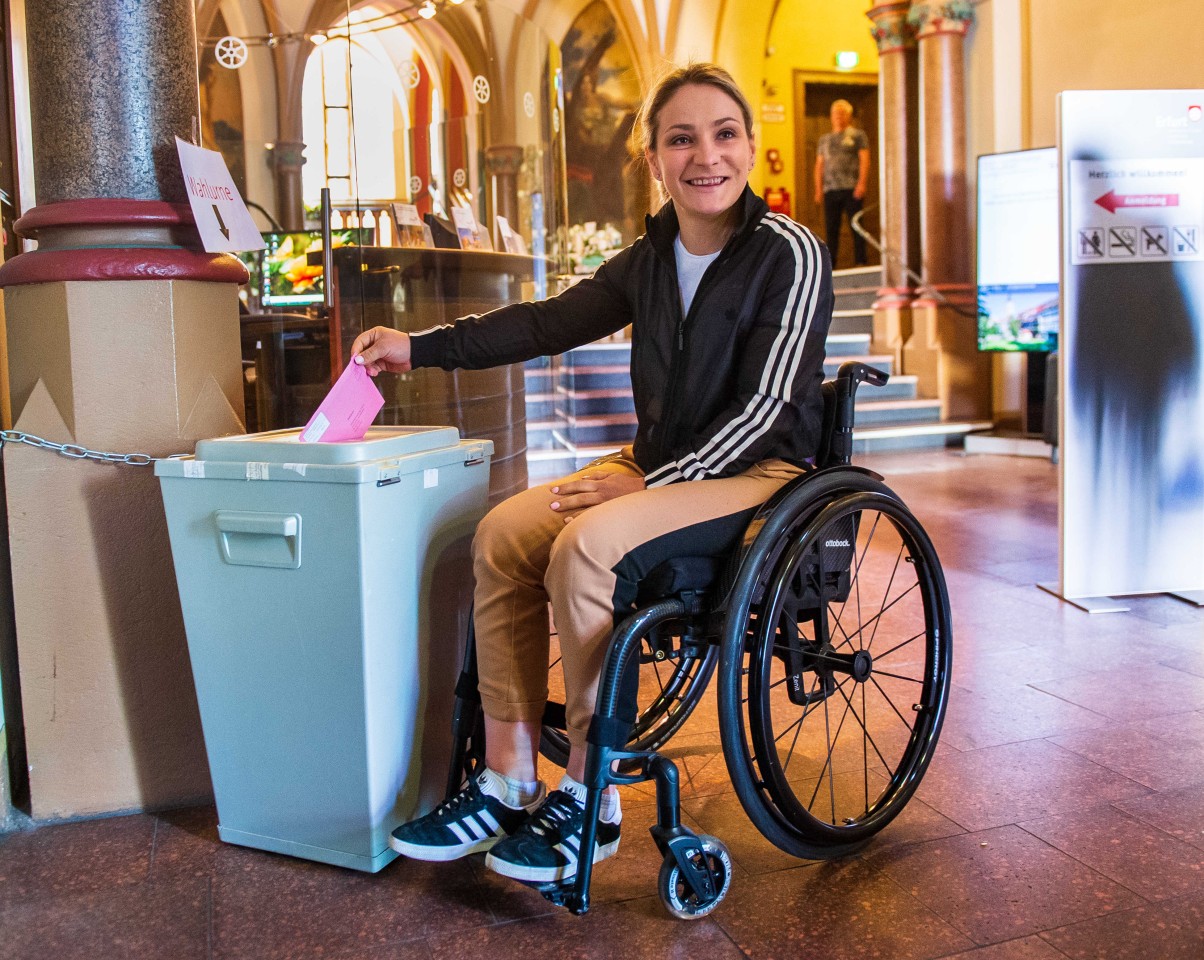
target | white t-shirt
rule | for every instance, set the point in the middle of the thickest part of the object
(689, 272)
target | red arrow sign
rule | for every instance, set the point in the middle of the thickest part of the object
(1113, 201)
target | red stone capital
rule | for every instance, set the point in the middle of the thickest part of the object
(948, 16)
(891, 31)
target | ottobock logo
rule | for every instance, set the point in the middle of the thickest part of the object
(836, 543)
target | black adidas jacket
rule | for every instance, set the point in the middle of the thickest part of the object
(735, 381)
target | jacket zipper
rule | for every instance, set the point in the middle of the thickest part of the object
(683, 319)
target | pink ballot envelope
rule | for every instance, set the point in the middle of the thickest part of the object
(348, 410)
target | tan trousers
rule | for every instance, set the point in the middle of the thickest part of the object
(525, 555)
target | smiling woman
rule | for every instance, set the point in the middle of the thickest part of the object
(729, 306)
(698, 142)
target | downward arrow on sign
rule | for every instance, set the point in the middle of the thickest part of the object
(221, 225)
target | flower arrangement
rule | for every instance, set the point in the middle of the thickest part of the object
(590, 245)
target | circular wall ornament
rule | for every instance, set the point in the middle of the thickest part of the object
(410, 75)
(415, 185)
(480, 89)
(231, 52)
(459, 178)
(529, 104)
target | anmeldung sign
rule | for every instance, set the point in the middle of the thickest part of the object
(222, 218)
(1136, 210)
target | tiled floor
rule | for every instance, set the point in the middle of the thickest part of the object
(1062, 817)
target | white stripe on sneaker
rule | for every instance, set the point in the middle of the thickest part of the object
(461, 833)
(473, 821)
(489, 820)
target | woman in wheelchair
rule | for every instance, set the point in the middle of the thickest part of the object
(729, 306)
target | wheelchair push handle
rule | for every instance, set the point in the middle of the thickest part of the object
(850, 375)
(857, 372)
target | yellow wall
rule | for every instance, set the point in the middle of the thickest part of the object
(806, 34)
(1108, 45)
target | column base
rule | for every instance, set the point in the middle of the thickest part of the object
(110, 715)
(943, 353)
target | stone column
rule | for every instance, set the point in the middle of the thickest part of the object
(943, 348)
(287, 157)
(122, 336)
(899, 168)
(502, 164)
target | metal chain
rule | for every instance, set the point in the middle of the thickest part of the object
(75, 452)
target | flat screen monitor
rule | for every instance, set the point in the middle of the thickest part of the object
(1018, 257)
(289, 271)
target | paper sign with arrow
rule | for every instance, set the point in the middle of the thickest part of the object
(221, 217)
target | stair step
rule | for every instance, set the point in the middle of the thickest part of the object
(856, 277)
(905, 436)
(584, 403)
(898, 387)
(880, 361)
(862, 323)
(856, 298)
(610, 352)
(847, 344)
(883, 412)
(596, 377)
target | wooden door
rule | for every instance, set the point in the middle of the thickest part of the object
(813, 97)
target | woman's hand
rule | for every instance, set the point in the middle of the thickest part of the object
(573, 496)
(382, 348)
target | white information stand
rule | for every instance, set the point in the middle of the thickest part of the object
(1132, 348)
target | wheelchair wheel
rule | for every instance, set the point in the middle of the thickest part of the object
(835, 673)
(676, 893)
(673, 676)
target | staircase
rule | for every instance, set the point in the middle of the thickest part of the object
(579, 405)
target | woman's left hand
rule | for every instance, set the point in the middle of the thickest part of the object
(573, 496)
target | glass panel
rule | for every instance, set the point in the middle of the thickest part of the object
(464, 111)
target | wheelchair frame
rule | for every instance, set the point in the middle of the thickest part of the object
(786, 566)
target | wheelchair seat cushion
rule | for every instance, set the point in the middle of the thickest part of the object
(679, 575)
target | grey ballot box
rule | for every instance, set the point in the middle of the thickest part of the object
(325, 589)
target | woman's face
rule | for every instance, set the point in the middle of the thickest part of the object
(702, 152)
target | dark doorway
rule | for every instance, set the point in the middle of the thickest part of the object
(813, 97)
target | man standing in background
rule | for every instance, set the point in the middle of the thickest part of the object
(842, 167)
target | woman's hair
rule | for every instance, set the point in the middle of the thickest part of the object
(643, 135)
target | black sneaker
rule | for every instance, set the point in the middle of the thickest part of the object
(546, 848)
(470, 822)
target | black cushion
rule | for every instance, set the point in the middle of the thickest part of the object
(678, 575)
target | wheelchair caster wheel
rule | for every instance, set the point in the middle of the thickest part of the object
(679, 895)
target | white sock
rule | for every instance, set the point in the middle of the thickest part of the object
(515, 794)
(610, 811)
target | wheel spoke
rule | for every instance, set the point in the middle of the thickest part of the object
(886, 593)
(896, 676)
(878, 616)
(828, 759)
(866, 731)
(869, 538)
(887, 698)
(902, 644)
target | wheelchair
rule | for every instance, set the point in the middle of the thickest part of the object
(830, 630)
